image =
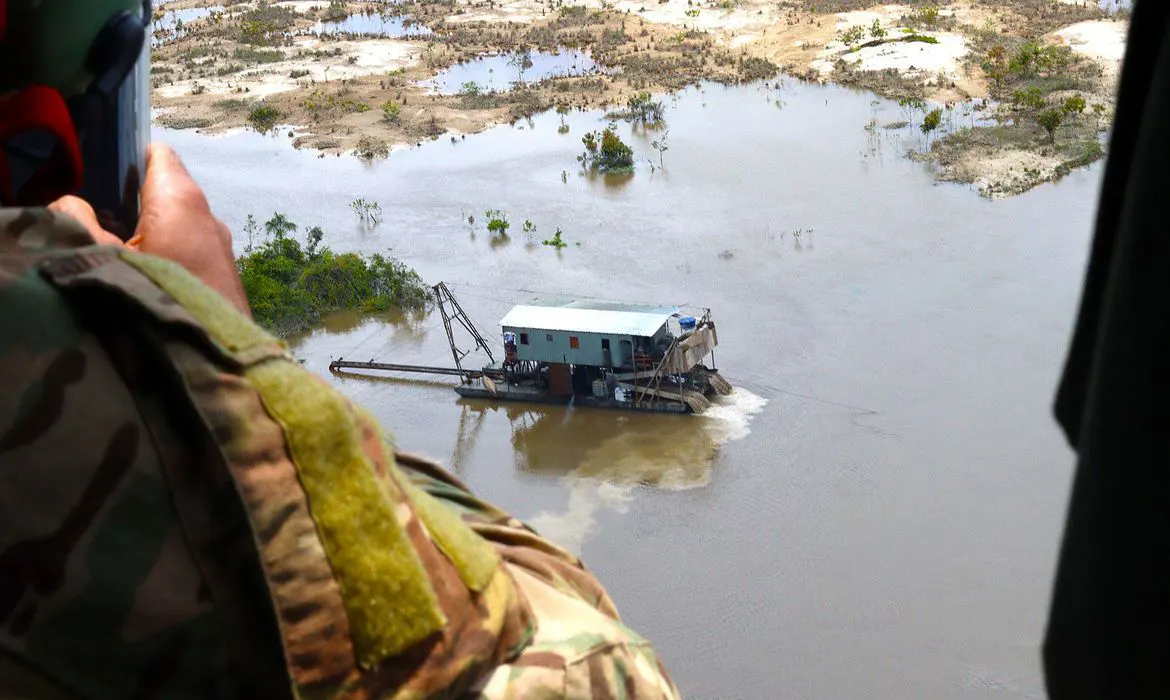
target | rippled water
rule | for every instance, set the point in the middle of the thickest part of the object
(875, 513)
(500, 72)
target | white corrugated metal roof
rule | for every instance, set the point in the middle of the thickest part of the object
(614, 319)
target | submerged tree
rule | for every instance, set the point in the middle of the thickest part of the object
(497, 222)
(661, 146)
(605, 151)
(932, 121)
(369, 213)
(521, 61)
(645, 109)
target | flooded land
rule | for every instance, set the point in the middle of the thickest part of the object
(874, 513)
(1006, 94)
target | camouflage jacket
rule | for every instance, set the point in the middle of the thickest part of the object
(187, 512)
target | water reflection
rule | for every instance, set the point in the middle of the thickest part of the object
(606, 454)
(384, 332)
(500, 72)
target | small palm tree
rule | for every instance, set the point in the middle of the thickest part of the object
(279, 226)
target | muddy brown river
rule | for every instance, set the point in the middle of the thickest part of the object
(875, 512)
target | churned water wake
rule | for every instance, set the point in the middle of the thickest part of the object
(676, 454)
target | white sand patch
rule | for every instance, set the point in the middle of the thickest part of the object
(909, 58)
(1100, 39)
(514, 11)
(373, 56)
(1010, 169)
(914, 56)
(302, 6)
(740, 18)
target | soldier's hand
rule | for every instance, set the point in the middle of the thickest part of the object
(175, 222)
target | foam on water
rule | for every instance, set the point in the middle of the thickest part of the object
(731, 415)
(608, 476)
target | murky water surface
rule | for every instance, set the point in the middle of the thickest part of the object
(875, 513)
(502, 72)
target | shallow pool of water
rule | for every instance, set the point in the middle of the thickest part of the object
(374, 24)
(876, 512)
(172, 25)
(502, 71)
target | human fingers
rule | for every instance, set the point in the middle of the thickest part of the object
(80, 211)
(176, 223)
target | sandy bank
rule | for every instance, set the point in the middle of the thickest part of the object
(657, 46)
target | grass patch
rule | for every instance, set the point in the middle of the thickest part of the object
(250, 55)
(230, 104)
(188, 123)
(195, 52)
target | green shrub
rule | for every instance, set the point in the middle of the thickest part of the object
(391, 111)
(263, 117)
(1074, 105)
(497, 222)
(853, 35)
(931, 121)
(556, 241)
(1031, 98)
(1049, 120)
(369, 148)
(605, 151)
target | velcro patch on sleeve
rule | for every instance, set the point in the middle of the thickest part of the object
(388, 598)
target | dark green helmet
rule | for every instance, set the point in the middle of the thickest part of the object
(74, 102)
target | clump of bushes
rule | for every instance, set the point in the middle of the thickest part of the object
(291, 285)
(369, 148)
(605, 151)
(263, 117)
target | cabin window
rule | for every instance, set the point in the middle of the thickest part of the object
(548, 337)
(574, 342)
(605, 343)
(523, 338)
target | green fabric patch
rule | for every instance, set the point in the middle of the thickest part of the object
(222, 320)
(387, 594)
(475, 559)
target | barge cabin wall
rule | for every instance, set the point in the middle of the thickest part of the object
(574, 334)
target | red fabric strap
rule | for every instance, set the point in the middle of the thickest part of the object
(3, 17)
(41, 108)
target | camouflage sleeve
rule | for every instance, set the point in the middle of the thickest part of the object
(580, 648)
(99, 593)
(213, 519)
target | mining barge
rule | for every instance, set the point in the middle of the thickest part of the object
(584, 353)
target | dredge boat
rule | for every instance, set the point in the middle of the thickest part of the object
(585, 353)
